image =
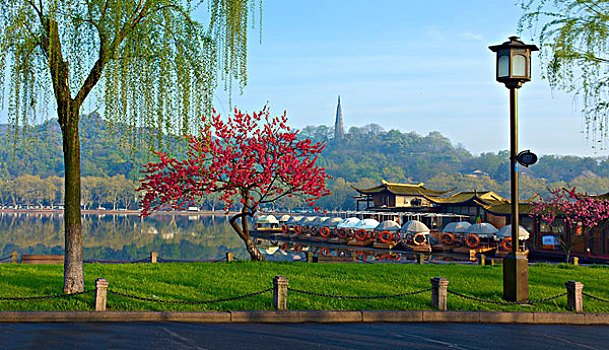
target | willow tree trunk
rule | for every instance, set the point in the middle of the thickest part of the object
(68, 113)
(73, 264)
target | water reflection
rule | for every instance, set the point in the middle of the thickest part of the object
(175, 237)
(123, 236)
(298, 250)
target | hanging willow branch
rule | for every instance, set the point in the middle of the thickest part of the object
(574, 36)
(149, 64)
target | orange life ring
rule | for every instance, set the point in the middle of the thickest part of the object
(504, 243)
(343, 233)
(395, 256)
(359, 236)
(361, 256)
(386, 237)
(472, 240)
(419, 242)
(324, 232)
(298, 229)
(285, 228)
(385, 257)
(447, 238)
(324, 251)
(297, 248)
(284, 246)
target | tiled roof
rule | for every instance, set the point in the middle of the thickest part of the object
(403, 189)
(488, 197)
(506, 208)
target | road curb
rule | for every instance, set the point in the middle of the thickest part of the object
(308, 317)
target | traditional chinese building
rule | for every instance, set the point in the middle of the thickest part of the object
(397, 197)
(591, 245)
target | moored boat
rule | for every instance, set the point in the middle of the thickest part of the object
(364, 233)
(292, 226)
(451, 236)
(504, 239)
(316, 226)
(414, 237)
(328, 229)
(387, 234)
(345, 230)
(479, 238)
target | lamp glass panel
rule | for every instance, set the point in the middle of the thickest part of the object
(503, 66)
(519, 65)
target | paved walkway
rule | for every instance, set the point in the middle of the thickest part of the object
(367, 336)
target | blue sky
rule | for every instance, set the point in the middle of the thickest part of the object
(403, 64)
(407, 65)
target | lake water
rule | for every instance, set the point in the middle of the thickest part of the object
(125, 237)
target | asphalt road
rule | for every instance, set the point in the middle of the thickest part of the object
(458, 336)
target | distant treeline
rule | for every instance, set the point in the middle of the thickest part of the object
(363, 158)
(370, 154)
(32, 191)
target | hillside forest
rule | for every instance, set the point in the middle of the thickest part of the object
(31, 166)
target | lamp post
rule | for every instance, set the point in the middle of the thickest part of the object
(514, 69)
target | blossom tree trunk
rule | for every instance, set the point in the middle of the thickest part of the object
(243, 231)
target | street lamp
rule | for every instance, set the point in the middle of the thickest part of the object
(514, 69)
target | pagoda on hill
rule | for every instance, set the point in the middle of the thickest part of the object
(339, 130)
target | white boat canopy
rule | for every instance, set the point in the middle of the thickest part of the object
(284, 218)
(333, 222)
(267, 219)
(456, 227)
(388, 225)
(366, 224)
(308, 220)
(294, 220)
(482, 229)
(319, 221)
(414, 226)
(506, 231)
(348, 222)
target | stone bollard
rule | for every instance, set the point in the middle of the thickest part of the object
(575, 261)
(574, 296)
(229, 256)
(493, 262)
(439, 292)
(101, 291)
(153, 257)
(482, 259)
(421, 258)
(14, 257)
(310, 256)
(280, 292)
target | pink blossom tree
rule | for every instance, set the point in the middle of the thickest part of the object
(249, 160)
(579, 212)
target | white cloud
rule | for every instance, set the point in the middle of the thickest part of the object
(473, 36)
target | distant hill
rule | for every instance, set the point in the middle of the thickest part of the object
(364, 157)
(370, 154)
(103, 151)
(394, 155)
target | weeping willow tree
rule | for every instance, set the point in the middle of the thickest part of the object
(147, 65)
(574, 36)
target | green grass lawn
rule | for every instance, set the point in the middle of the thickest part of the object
(209, 281)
